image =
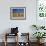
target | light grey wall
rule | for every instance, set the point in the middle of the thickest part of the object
(24, 25)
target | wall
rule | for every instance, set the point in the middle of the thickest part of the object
(24, 25)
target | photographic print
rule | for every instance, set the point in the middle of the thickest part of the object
(18, 13)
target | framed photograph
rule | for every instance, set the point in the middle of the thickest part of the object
(18, 13)
(41, 9)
